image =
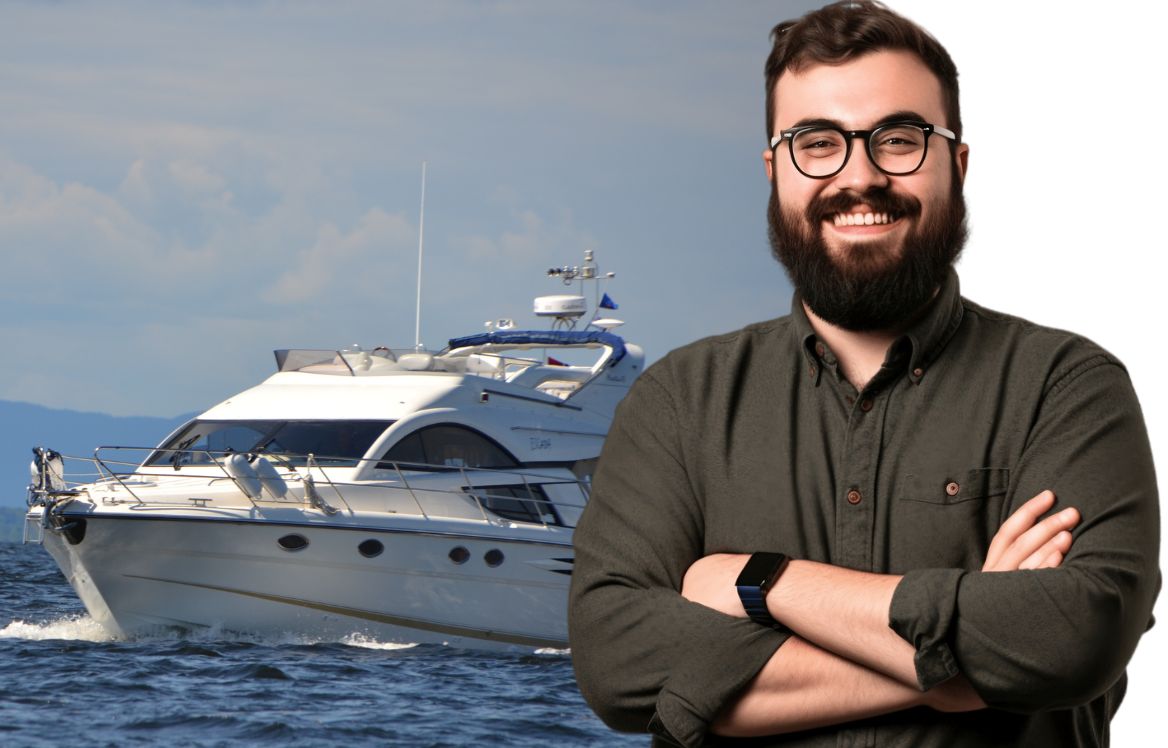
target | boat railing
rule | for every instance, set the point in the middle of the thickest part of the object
(497, 496)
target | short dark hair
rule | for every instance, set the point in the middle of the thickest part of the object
(845, 30)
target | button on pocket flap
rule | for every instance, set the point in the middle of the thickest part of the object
(957, 486)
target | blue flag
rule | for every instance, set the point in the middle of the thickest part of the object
(607, 303)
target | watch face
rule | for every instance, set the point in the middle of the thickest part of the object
(760, 570)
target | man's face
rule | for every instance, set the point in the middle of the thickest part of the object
(854, 272)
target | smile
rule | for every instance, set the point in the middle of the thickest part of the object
(863, 219)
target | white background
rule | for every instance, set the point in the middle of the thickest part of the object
(1062, 233)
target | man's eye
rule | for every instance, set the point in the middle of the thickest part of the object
(900, 139)
(819, 146)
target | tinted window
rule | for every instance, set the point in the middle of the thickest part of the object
(447, 445)
(339, 443)
(521, 503)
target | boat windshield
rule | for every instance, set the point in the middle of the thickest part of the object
(335, 443)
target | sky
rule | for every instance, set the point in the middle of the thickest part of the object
(186, 186)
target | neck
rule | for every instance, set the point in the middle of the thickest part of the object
(860, 354)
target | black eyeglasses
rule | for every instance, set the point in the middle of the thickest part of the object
(822, 151)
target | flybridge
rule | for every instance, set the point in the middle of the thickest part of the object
(471, 354)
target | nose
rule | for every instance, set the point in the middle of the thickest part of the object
(859, 173)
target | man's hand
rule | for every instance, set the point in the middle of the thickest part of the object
(1025, 542)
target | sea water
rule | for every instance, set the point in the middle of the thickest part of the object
(65, 682)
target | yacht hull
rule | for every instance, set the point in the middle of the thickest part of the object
(453, 584)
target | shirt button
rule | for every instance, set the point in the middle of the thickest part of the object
(854, 497)
(952, 488)
(820, 350)
(865, 405)
(918, 372)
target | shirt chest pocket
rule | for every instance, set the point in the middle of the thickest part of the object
(956, 486)
(945, 518)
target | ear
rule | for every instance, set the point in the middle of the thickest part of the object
(768, 158)
(962, 161)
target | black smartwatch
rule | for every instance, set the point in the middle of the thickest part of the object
(757, 577)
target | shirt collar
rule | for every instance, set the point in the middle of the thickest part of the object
(920, 345)
(929, 335)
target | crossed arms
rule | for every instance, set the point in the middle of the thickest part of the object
(842, 645)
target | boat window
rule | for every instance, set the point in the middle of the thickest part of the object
(335, 443)
(446, 445)
(522, 503)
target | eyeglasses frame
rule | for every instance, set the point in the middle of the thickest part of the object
(850, 135)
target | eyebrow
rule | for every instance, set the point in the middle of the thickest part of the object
(899, 116)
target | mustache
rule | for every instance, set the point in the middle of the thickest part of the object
(879, 200)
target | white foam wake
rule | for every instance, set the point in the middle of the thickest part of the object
(553, 651)
(365, 642)
(73, 628)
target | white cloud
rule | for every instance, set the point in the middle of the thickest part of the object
(195, 178)
(340, 261)
(57, 233)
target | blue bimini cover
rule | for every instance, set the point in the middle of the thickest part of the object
(545, 337)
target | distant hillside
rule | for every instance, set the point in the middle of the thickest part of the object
(24, 426)
(11, 524)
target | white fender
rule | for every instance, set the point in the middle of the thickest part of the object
(244, 474)
(269, 478)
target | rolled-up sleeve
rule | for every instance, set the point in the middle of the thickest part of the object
(642, 653)
(1053, 638)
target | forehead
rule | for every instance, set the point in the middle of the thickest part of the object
(859, 92)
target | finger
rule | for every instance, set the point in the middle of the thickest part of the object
(1036, 537)
(1047, 531)
(1016, 524)
(1052, 561)
(1056, 548)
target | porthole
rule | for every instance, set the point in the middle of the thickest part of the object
(293, 542)
(370, 548)
(459, 555)
(493, 557)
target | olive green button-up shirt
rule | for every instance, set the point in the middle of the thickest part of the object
(755, 441)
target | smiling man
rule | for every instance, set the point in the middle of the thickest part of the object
(892, 517)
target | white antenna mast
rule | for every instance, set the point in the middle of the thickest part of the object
(421, 233)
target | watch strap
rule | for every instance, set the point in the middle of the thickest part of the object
(756, 579)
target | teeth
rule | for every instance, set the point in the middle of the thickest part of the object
(861, 219)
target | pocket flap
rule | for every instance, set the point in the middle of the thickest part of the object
(957, 486)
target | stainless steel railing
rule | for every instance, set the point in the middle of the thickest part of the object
(499, 495)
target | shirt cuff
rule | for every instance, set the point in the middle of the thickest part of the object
(697, 691)
(923, 610)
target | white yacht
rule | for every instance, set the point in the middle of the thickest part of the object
(405, 495)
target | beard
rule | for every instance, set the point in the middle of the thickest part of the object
(869, 286)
